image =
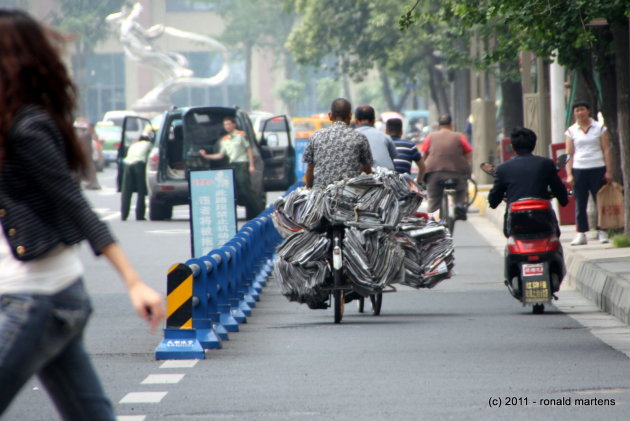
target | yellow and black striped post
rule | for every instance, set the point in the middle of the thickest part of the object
(179, 287)
(180, 339)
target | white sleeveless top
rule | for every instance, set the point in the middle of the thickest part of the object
(47, 275)
(587, 151)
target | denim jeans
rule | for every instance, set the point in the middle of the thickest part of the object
(586, 181)
(43, 335)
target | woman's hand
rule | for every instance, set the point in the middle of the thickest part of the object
(608, 176)
(570, 180)
(148, 303)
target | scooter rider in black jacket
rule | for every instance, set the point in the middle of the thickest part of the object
(526, 175)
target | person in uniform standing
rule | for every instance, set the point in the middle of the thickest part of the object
(134, 178)
(236, 149)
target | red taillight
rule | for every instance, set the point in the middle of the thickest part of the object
(154, 160)
(529, 205)
(117, 145)
(537, 246)
(422, 215)
(167, 188)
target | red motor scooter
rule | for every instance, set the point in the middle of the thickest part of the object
(534, 261)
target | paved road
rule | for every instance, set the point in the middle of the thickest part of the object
(462, 351)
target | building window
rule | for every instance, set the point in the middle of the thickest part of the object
(105, 84)
(189, 6)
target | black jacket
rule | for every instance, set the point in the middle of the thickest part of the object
(41, 204)
(526, 176)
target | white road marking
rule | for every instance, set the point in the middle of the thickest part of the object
(143, 397)
(179, 364)
(131, 418)
(171, 231)
(115, 215)
(163, 379)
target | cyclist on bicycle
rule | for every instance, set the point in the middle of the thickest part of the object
(335, 153)
(446, 154)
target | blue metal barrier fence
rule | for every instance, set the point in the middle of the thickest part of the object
(227, 282)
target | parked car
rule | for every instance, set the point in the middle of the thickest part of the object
(97, 155)
(183, 131)
(117, 117)
(109, 136)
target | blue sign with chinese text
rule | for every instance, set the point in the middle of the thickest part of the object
(212, 209)
(300, 166)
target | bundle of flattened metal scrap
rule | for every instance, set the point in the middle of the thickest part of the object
(383, 242)
(428, 249)
(299, 210)
(302, 267)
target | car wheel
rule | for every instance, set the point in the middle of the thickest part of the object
(159, 212)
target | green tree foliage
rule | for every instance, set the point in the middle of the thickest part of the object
(290, 92)
(328, 90)
(363, 36)
(254, 24)
(85, 19)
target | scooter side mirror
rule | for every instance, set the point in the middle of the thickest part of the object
(488, 168)
(562, 160)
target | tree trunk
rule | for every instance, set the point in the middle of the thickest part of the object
(608, 78)
(512, 98)
(438, 89)
(622, 65)
(386, 89)
(401, 102)
(247, 95)
(587, 89)
(461, 99)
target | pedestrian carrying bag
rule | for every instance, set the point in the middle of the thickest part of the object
(610, 206)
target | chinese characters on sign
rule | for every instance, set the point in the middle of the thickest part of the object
(212, 210)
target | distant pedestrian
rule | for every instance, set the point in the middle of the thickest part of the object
(589, 167)
(406, 151)
(86, 135)
(383, 149)
(134, 178)
(44, 307)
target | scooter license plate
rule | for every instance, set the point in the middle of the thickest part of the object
(533, 269)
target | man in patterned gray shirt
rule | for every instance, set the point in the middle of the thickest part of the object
(338, 151)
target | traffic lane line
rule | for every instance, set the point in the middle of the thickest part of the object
(143, 397)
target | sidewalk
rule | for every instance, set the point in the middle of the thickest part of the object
(599, 272)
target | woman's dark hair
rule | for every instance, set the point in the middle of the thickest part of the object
(32, 73)
(523, 140)
(581, 104)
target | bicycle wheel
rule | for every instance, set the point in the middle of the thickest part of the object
(447, 215)
(377, 302)
(361, 304)
(472, 187)
(338, 297)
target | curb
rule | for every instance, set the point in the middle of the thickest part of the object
(600, 273)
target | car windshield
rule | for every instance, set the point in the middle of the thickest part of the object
(108, 131)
